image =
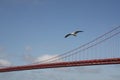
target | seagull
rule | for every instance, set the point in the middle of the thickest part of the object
(73, 33)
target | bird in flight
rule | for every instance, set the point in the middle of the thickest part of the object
(73, 34)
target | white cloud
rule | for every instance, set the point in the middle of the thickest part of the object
(47, 58)
(4, 63)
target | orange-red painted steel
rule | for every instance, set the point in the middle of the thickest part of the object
(63, 64)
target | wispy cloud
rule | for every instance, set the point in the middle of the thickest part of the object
(28, 48)
(4, 63)
(46, 58)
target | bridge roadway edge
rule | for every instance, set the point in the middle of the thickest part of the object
(63, 64)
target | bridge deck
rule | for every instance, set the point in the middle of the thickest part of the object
(63, 64)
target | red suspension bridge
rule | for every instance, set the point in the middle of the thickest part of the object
(103, 50)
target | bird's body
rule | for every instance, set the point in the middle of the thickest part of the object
(73, 33)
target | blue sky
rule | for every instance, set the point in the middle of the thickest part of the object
(30, 29)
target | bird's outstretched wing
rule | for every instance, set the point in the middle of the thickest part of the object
(67, 35)
(77, 32)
